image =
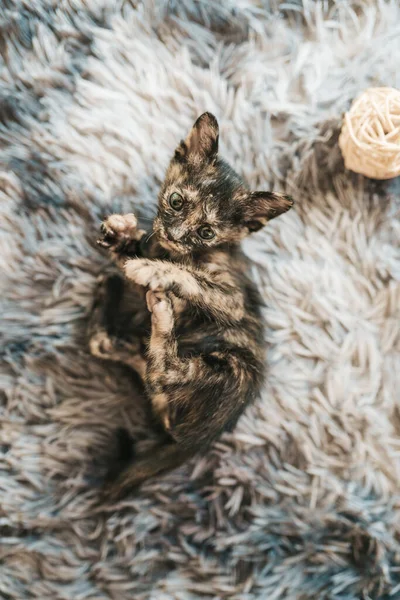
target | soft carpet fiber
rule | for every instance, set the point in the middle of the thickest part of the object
(302, 501)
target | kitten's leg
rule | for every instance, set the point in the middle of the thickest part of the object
(123, 477)
(107, 298)
(114, 349)
(163, 346)
(103, 342)
(213, 291)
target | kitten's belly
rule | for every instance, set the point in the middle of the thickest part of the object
(197, 335)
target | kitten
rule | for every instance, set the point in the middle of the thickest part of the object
(199, 344)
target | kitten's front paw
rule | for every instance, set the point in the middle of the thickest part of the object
(162, 314)
(119, 230)
(148, 273)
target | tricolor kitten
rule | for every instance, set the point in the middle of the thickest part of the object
(199, 344)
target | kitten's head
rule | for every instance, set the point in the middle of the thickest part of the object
(203, 203)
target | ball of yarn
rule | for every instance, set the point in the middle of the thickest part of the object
(370, 136)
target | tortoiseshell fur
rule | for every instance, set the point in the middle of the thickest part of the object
(198, 337)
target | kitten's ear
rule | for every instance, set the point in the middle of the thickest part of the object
(202, 142)
(264, 206)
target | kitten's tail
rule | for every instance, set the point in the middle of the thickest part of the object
(160, 459)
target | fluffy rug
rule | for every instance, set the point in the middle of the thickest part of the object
(302, 501)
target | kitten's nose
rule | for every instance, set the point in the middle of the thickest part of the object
(174, 234)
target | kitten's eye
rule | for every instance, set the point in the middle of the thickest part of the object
(176, 201)
(206, 232)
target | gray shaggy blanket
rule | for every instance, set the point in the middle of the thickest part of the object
(302, 501)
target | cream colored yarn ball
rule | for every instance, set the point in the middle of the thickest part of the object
(370, 136)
